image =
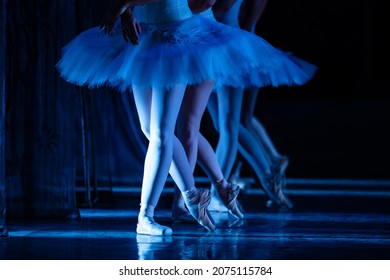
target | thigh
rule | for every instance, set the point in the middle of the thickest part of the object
(212, 107)
(194, 104)
(229, 106)
(249, 105)
(165, 108)
(143, 104)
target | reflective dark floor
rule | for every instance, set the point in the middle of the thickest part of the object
(320, 227)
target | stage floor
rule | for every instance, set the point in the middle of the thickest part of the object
(320, 227)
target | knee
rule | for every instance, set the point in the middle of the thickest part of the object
(161, 139)
(230, 128)
(188, 139)
(188, 131)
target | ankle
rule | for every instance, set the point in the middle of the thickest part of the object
(146, 211)
(190, 194)
(221, 184)
(178, 200)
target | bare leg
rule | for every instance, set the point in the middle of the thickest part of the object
(191, 112)
(212, 108)
(224, 109)
(232, 133)
(196, 146)
(271, 182)
(188, 126)
(277, 162)
(229, 109)
(250, 122)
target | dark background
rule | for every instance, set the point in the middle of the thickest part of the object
(336, 126)
(59, 135)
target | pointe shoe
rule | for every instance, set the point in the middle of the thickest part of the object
(270, 184)
(281, 184)
(229, 197)
(280, 168)
(179, 212)
(197, 201)
(281, 165)
(147, 225)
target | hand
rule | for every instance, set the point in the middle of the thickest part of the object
(112, 15)
(108, 23)
(130, 27)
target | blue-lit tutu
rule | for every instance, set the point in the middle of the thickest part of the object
(183, 52)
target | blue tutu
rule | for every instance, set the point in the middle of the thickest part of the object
(188, 51)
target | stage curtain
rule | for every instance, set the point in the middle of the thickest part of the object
(40, 111)
(61, 138)
(2, 114)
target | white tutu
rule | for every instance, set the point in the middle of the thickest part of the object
(182, 52)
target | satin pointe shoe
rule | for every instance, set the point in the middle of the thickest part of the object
(147, 225)
(228, 195)
(197, 201)
(269, 184)
(270, 204)
(179, 212)
(279, 168)
(284, 200)
(281, 165)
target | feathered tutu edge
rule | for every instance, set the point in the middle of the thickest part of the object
(187, 52)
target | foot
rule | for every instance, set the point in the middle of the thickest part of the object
(279, 187)
(280, 168)
(197, 201)
(281, 164)
(235, 177)
(228, 193)
(270, 184)
(147, 225)
(179, 211)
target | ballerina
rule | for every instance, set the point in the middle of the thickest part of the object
(232, 112)
(175, 49)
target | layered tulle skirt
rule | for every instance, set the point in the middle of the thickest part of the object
(185, 52)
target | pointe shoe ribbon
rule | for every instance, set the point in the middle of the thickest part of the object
(197, 202)
(229, 197)
(284, 200)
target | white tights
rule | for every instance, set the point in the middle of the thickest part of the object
(158, 110)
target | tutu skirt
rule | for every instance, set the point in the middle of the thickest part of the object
(183, 52)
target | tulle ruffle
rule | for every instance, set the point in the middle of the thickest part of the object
(185, 52)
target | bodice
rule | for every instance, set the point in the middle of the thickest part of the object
(208, 14)
(163, 11)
